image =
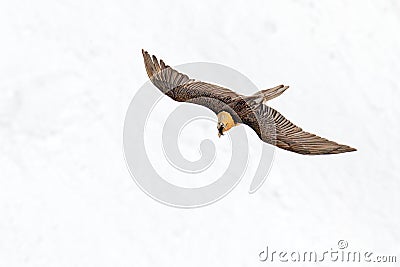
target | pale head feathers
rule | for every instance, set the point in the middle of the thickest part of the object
(225, 121)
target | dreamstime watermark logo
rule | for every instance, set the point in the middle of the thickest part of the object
(340, 254)
(158, 185)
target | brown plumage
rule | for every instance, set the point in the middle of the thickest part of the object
(233, 109)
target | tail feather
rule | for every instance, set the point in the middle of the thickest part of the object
(271, 93)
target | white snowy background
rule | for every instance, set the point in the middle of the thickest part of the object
(69, 69)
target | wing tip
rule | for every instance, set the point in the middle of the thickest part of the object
(301, 149)
(347, 149)
(149, 65)
(342, 149)
(153, 61)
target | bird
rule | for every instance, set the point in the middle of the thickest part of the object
(234, 109)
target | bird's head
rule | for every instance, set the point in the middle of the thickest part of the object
(225, 122)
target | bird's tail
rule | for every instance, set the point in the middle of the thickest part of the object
(268, 94)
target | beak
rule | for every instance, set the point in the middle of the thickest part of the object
(220, 131)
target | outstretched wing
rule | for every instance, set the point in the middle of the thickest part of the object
(181, 88)
(275, 129)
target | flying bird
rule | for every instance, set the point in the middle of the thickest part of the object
(233, 109)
